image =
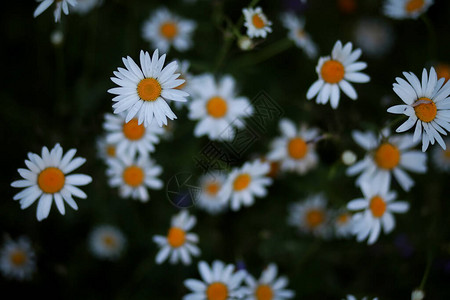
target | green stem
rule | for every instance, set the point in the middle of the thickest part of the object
(427, 271)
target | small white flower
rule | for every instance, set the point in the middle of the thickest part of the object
(441, 157)
(374, 36)
(61, 5)
(219, 282)
(387, 156)
(179, 244)
(295, 149)
(106, 242)
(46, 178)
(335, 73)
(17, 259)
(404, 9)
(298, 35)
(143, 91)
(378, 207)
(105, 150)
(245, 183)
(268, 286)
(427, 106)
(163, 30)
(133, 176)
(417, 295)
(348, 157)
(343, 224)
(256, 22)
(208, 199)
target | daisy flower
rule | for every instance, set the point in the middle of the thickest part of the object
(133, 176)
(386, 156)
(183, 69)
(47, 179)
(298, 35)
(335, 72)
(61, 5)
(378, 207)
(441, 157)
(143, 91)
(208, 199)
(106, 242)
(427, 106)
(17, 259)
(179, 243)
(310, 216)
(343, 224)
(244, 183)
(374, 36)
(404, 9)
(295, 149)
(268, 286)
(85, 6)
(351, 297)
(219, 282)
(130, 137)
(105, 150)
(163, 30)
(217, 107)
(256, 22)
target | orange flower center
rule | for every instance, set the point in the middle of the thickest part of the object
(111, 150)
(443, 71)
(176, 237)
(109, 241)
(414, 5)
(343, 219)
(18, 258)
(297, 148)
(149, 89)
(314, 218)
(377, 206)
(216, 107)
(217, 291)
(241, 182)
(212, 188)
(425, 110)
(347, 6)
(133, 176)
(51, 180)
(332, 71)
(264, 292)
(387, 156)
(446, 154)
(132, 130)
(169, 30)
(257, 21)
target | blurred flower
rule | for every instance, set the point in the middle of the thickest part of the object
(348, 157)
(46, 178)
(427, 105)
(310, 216)
(106, 242)
(295, 149)
(208, 199)
(244, 183)
(217, 107)
(219, 282)
(335, 73)
(179, 243)
(377, 205)
(298, 35)
(374, 36)
(17, 259)
(268, 286)
(133, 176)
(343, 224)
(143, 91)
(417, 295)
(60, 5)
(441, 157)
(256, 22)
(443, 71)
(351, 297)
(57, 37)
(404, 9)
(85, 6)
(105, 150)
(164, 29)
(183, 69)
(131, 138)
(386, 156)
(245, 43)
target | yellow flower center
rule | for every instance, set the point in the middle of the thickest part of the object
(264, 292)
(387, 156)
(425, 110)
(51, 180)
(217, 291)
(111, 150)
(176, 237)
(132, 130)
(216, 107)
(149, 89)
(443, 71)
(314, 218)
(414, 5)
(332, 71)
(343, 219)
(133, 176)
(257, 21)
(212, 188)
(109, 241)
(169, 30)
(241, 182)
(18, 257)
(377, 206)
(297, 148)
